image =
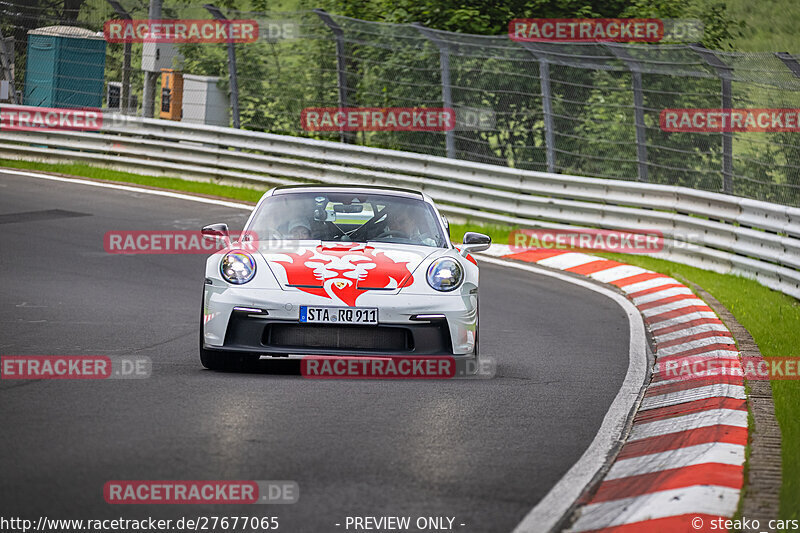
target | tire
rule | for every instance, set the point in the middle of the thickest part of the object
(218, 360)
(477, 326)
(211, 360)
(227, 361)
(474, 361)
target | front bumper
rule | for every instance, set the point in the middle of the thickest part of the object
(276, 329)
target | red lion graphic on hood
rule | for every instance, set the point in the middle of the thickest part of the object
(344, 272)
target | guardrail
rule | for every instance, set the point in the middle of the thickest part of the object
(714, 231)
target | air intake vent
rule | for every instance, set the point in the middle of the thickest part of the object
(376, 338)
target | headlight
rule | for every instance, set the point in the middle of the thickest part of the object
(445, 275)
(237, 267)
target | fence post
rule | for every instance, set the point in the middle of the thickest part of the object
(547, 104)
(638, 106)
(724, 73)
(547, 107)
(447, 98)
(217, 14)
(790, 62)
(341, 66)
(126, 61)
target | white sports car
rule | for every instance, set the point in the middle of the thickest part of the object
(340, 270)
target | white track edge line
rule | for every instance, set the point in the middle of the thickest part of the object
(551, 509)
(130, 188)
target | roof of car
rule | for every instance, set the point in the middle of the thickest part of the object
(396, 191)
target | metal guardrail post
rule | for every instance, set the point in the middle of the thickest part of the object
(547, 104)
(217, 14)
(341, 66)
(724, 73)
(126, 60)
(638, 106)
(444, 65)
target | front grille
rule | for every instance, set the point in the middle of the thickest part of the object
(373, 338)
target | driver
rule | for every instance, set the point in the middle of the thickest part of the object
(401, 223)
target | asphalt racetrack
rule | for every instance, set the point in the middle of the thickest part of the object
(481, 451)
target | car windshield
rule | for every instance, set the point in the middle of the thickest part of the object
(347, 217)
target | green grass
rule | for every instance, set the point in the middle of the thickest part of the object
(88, 171)
(771, 25)
(498, 233)
(772, 318)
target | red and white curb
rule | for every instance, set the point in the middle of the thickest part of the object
(682, 465)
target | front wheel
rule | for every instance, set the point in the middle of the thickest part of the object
(231, 362)
(216, 360)
(212, 360)
(474, 362)
(477, 325)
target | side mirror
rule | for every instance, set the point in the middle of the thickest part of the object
(217, 231)
(475, 242)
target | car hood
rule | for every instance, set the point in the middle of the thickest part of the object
(344, 271)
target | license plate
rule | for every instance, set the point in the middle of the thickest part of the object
(339, 315)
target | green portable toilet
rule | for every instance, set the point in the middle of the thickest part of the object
(65, 68)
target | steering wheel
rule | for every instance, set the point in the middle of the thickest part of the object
(362, 230)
